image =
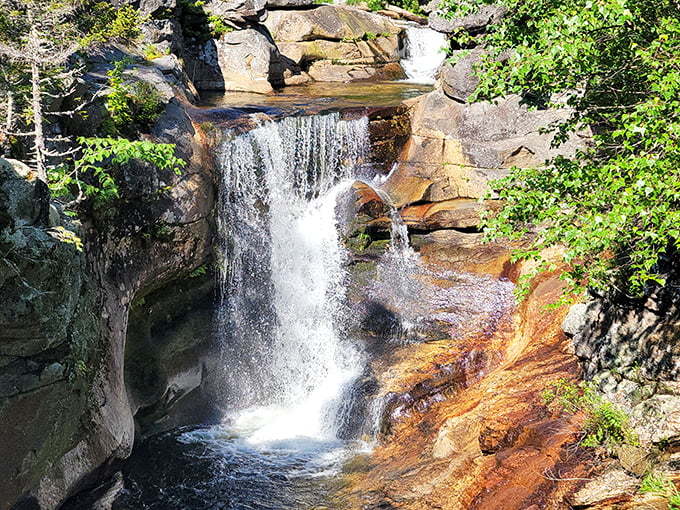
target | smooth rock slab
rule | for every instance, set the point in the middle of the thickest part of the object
(449, 214)
(332, 22)
(237, 11)
(379, 51)
(325, 70)
(612, 486)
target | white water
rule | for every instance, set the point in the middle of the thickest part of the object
(283, 277)
(423, 54)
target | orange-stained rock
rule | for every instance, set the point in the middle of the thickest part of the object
(462, 251)
(465, 425)
(449, 214)
(368, 202)
(408, 183)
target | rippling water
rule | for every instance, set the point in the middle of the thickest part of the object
(215, 468)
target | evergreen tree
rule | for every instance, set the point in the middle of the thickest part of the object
(38, 35)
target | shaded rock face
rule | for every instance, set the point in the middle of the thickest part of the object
(389, 130)
(61, 415)
(156, 7)
(168, 354)
(64, 405)
(632, 350)
(165, 34)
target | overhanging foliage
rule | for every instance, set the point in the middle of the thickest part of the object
(615, 206)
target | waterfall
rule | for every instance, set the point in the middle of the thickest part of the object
(423, 53)
(282, 274)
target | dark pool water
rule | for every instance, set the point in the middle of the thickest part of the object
(210, 468)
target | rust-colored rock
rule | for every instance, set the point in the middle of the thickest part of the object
(462, 214)
(368, 202)
(466, 426)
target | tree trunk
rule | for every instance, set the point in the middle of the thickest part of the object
(39, 142)
(9, 120)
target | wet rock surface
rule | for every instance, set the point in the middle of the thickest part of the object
(463, 423)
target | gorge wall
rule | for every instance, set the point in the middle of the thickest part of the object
(79, 334)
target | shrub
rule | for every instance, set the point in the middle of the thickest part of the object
(218, 27)
(102, 23)
(616, 64)
(604, 424)
(139, 104)
(147, 103)
(118, 99)
(90, 177)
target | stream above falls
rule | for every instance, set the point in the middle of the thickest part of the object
(237, 110)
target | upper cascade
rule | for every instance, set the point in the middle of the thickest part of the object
(423, 54)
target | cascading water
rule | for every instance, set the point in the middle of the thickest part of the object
(286, 362)
(424, 51)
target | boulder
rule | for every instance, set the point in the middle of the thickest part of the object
(456, 149)
(337, 43)
(239, 12)
(458, 80)
(242, 60)
(475, 22)
(331, 22)
(156, 7)
(612, 486)
(289, 4)
(164, 34)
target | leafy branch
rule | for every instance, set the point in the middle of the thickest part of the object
(615, 206)
(89, 176)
